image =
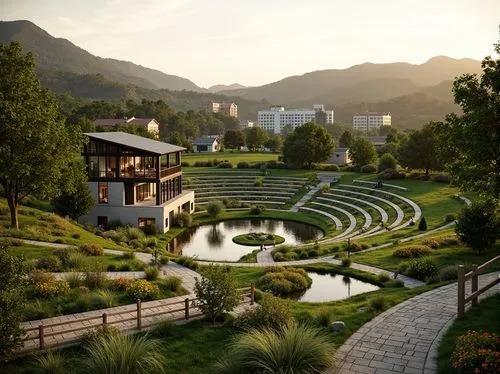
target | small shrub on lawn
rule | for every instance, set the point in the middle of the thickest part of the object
(152, 273)
(259, 181)
(75, 261)
(281, 281)
(52, 288)
(115, 236)
(150, 230)
(346, 262)
(442, 178)
(225, 165)
(384, 277)
(477, 352)
(164, 259)
(422, 225)
(100, 332)
(255, 210)
(107, 298)
(214, 208)
(91, 249)
(413, 251)
(434, 244)
(128, 255)
(271, 312)
(95, 279)
(124, 266)
(134, 233)
(370, 168)
(137, 265)
(75, 235)
(143, 290)
(49, 263)
(324, 316)
(37, 276)
(378, 304)
(37, 310)
(243, 165)
(173, 283)
(447, 273)
(183, 219)
(74, 279)
(122, 283)
(187, 262)
(422, 268)
(450, 217)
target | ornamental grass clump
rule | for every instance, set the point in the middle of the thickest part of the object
(270, 313)
(281, 281)
(413, 251)
(293, 349)
(51, 363)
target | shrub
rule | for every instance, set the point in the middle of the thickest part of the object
(387, 161)
(281, 281)
(384, 277)
(38, 276)
(133, 233)
(225, 165)
(52, 288)
(477, 352)
(185, 164)
(91, 249)
(183, 219)
(163, 329)
(378, 304)
(164, 260)
(122, 283)
(271, 313)
(293, 349)
(255, 210)
(49, 263)
(143, 290)
(123, 354)
(116, 236)
(214, 208)
(217, 292)
(124, 266)
(412, 251)
(94, 279)
(422, 225)
(442, 178)
(431, 243)
(152, 273)
(325, 188)
(51, 363)
(187, 262)
(369, 168)
(74, 279)
(450, 217)
(324, 316)
(128, 255)
(75, 261)
(346, 262)
(173, 283)
(421, 268)
(101, 332)
(150, 229)
(259, 181)
(243, 165)
(106, 298)
(332, 167)
(392, 174)
(37, 310)
(447, 273)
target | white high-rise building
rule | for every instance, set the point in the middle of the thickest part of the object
(369, 121)
(277, 118)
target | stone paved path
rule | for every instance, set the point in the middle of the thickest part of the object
(405, 338)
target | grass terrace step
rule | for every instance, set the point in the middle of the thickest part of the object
(352, 220)
(273, 193)
(382, 211)
(251, 202)
(366, 215)
(241, 196)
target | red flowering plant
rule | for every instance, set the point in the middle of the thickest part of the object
(477, 352)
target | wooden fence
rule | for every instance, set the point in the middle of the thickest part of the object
(473, 276)
(187, 306)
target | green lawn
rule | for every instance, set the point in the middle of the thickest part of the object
(483, 316)
(232, 157)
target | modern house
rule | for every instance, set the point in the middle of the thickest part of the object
(277, 117)
(135, 180)
(228, 108)
(206, 144)
(150, 124)
(378, 141)
(341, 156)
(370, 121)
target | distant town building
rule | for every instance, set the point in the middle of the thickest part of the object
(229, 109)
(341, 156)
(378, 141)
(206, 144)
(150, 124)
(370, 121)
(277, 118)
(246, 124)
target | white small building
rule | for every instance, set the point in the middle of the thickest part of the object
(134, 180)
(277, 118)
(341, 156)
(150, 124)
(206, 144)
(370, 121)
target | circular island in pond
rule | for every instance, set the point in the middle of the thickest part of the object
(258, 238)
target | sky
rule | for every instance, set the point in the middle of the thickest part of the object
(254, 42)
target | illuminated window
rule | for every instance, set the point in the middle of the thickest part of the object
(103, 192)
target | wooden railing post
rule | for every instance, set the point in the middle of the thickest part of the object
(186, 308)
(41, 337)
(252, 294)
(474, 283)
(104, 319)
(461, 291)
(139, 322)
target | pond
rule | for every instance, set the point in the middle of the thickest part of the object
(215, 242)
(331, 287)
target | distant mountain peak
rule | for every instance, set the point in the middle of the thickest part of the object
(225, 87)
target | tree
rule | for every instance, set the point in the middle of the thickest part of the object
(346, 139)
(217, 291)
(234, 138)
(478, 225)
(422, 225)
(387, 161)
(255, 138)
(419, 150)
(12, 300)
(214, 208)
(362, 152)
(469, 145)
(274, 143)
(307, 144)
(35, 145)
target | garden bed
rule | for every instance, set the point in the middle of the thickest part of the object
(258, 239)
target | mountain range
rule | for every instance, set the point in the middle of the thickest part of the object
(65, 68)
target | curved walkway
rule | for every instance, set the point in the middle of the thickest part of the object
(405, 338)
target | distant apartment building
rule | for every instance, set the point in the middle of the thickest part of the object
(246, 124)
(277, 118)
(149, 124)
(370, 121)
(229, 109)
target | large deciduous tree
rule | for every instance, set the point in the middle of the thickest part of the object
(35, 145)
(234, 139)
(274, 143)
(308, 144)
(419, 150)
(469, 145)
(362, 152)
(346, 139)
(255, 138)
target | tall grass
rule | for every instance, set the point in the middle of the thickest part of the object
(123, 354)
(296, 349)
(51, 363)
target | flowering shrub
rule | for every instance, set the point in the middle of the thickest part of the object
(422, 268)
(412, 251)
(52, 288)
(122, 283)
(91, 249)
(477, 352)
(37, 276)
(143, 290)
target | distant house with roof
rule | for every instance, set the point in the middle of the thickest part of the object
(341, 156)
(378, 141)
(206, 144)
(135, 180)
(150, 124)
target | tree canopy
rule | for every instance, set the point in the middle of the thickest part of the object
(234, 139)
(35, 145)
(274, 143)
(255, 138)
(362, 152)
(308, 144)
(470, 143)
(346, 139)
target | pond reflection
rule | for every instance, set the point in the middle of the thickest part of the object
(214, 242)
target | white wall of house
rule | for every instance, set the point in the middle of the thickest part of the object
(340, 157)
(214, 147)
